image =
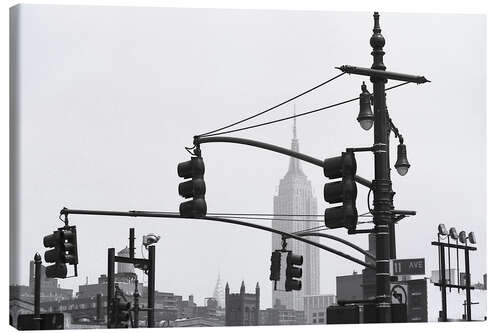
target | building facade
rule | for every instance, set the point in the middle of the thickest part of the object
(280, 315)
(242, 309)
(315, 308)
(350, 287)
(295, 196)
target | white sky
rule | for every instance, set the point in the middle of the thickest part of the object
(111, 95)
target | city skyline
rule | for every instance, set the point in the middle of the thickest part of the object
(108, 109)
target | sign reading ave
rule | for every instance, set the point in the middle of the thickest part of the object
(408, 266)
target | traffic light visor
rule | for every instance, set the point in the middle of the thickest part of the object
(193, 208)
(294, 259)
(293, 285)
(51, 240)
(191, 168)
(336, 167)
(192, 188)
(56, 271)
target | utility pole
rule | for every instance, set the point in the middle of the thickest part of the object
(382, 186)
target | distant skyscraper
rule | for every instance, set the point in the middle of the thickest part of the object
(295, 196)
(219, 295)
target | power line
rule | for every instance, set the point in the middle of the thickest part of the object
(262, 214)
(272, 108)
(295, 116)
(318, 228)
(267, 218)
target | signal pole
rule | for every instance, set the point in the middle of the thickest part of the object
(382, 186)
(383, 208)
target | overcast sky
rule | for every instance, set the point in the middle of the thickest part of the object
(110, 96)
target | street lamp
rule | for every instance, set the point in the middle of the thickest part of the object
(453, 233)
(365, 116)
(442, 230)
(462, 237)
(472, 238)
(402, 165)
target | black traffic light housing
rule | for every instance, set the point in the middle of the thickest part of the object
(194, 188)
(343, 191)
(293, 273)
(63, 244)
(122, 314)
(275, 266)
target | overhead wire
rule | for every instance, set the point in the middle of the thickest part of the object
(273, 107)
(294, 116)
(318, 228)
(267, 218)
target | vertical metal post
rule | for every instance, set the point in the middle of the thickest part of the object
(449, 262)
(467, 285)
(38, 265)
(131, 243)
(382, 189)
(442, 270)
(98, 308)
(458, 268)
(111, 285)
(151, 286)
(136, 305)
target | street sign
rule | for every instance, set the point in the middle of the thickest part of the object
(408, 266)
(399, 293)
(417, 300)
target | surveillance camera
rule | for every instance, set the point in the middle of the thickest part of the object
(150, 239)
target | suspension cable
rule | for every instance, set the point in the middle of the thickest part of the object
(294, 116)
(274, 107)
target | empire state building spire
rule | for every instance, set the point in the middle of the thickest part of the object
(294, 165)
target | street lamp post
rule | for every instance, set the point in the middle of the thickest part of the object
(382, 186)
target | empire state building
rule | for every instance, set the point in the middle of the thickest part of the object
(295, 196)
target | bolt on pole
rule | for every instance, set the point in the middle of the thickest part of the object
(382, 187)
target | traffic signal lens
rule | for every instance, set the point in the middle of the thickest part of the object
(193, 208)
(192, 188)
(51, 255)
(51, 240)
(192, 168)
(341, 216)
(57, 270)
(294, 259)
(294, 272)
(293, 285)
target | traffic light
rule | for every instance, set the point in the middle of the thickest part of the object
(55, 255)
(194, 188)
(292, 272)
(63, 251)
(122, 314)
(69, 245)
(342, 191)
(275, 266)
